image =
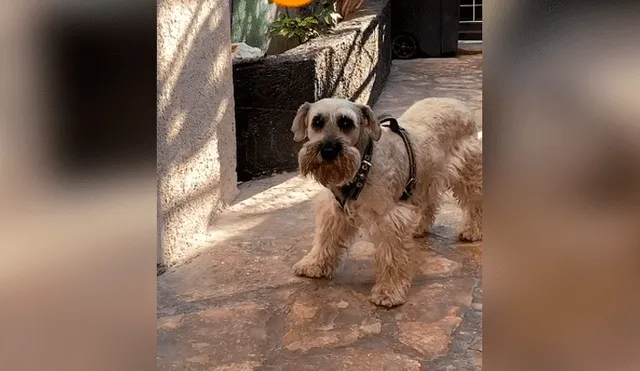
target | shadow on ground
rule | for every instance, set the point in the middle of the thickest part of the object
(238, 306)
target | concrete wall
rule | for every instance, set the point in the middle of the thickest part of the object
(196, 136)
(353, 62)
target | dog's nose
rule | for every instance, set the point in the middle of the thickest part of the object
(330, 150)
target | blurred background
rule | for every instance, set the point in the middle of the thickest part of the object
(562, 185)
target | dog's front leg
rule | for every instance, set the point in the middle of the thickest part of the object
(334, 233)
(393, 266)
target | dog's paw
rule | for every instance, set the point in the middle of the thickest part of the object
(387, 296)
(470, 235)
(311, 269)
(423, 227)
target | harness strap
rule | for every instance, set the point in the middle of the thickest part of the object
(352, 190)
(396, 128)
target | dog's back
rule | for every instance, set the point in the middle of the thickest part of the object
(444, 120)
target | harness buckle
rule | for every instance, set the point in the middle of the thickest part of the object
(408, 189)
(410, 183)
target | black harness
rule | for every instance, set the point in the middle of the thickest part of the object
(352, 190)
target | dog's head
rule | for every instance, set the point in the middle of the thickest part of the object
(338, 130)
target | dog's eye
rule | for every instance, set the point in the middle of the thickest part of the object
(345, 123)
(317, 122)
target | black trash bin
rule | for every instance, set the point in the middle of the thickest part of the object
(425, 28)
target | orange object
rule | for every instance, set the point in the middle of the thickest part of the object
(292, 3)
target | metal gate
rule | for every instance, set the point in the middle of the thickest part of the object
(425, 28)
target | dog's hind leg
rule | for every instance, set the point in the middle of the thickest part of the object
(393, 264)
(471, 229)
(467, 189)
(429, 204)
(333, 235)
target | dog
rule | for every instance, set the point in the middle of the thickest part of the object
(348, 148)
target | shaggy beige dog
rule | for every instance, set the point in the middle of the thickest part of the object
(348, 148)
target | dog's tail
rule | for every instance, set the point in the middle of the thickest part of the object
(464, 167)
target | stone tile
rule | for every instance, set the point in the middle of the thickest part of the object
(354, 360)
(241, 366)
(428, 320)
(429, 339)
(454, 362)
(468, 335)
(477, 293)
(328, 317)
(233, 269)
(476, 359)
(413, 80)
(448, 217)
(203, 340)
(477, 345)
(433, 265)
(170, 323)
(358, 267)
(434, 301)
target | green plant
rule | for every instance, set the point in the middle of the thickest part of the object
(302, 28)
(318, 17)
(326, 11)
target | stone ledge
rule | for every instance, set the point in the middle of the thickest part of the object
(353, 62)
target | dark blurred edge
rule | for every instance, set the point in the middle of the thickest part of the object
(99, 98)
(523, 43)
(102, 84)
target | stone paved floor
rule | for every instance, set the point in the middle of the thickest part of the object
(237, 306)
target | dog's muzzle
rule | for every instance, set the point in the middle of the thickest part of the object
(330, 149)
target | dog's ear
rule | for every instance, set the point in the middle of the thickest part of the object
(299, 127)
(371, 121)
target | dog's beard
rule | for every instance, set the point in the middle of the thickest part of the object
(334, 173)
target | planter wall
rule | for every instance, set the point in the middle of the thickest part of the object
(353, 62)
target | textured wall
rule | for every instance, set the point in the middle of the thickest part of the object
(196, 133)
(353, 62)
